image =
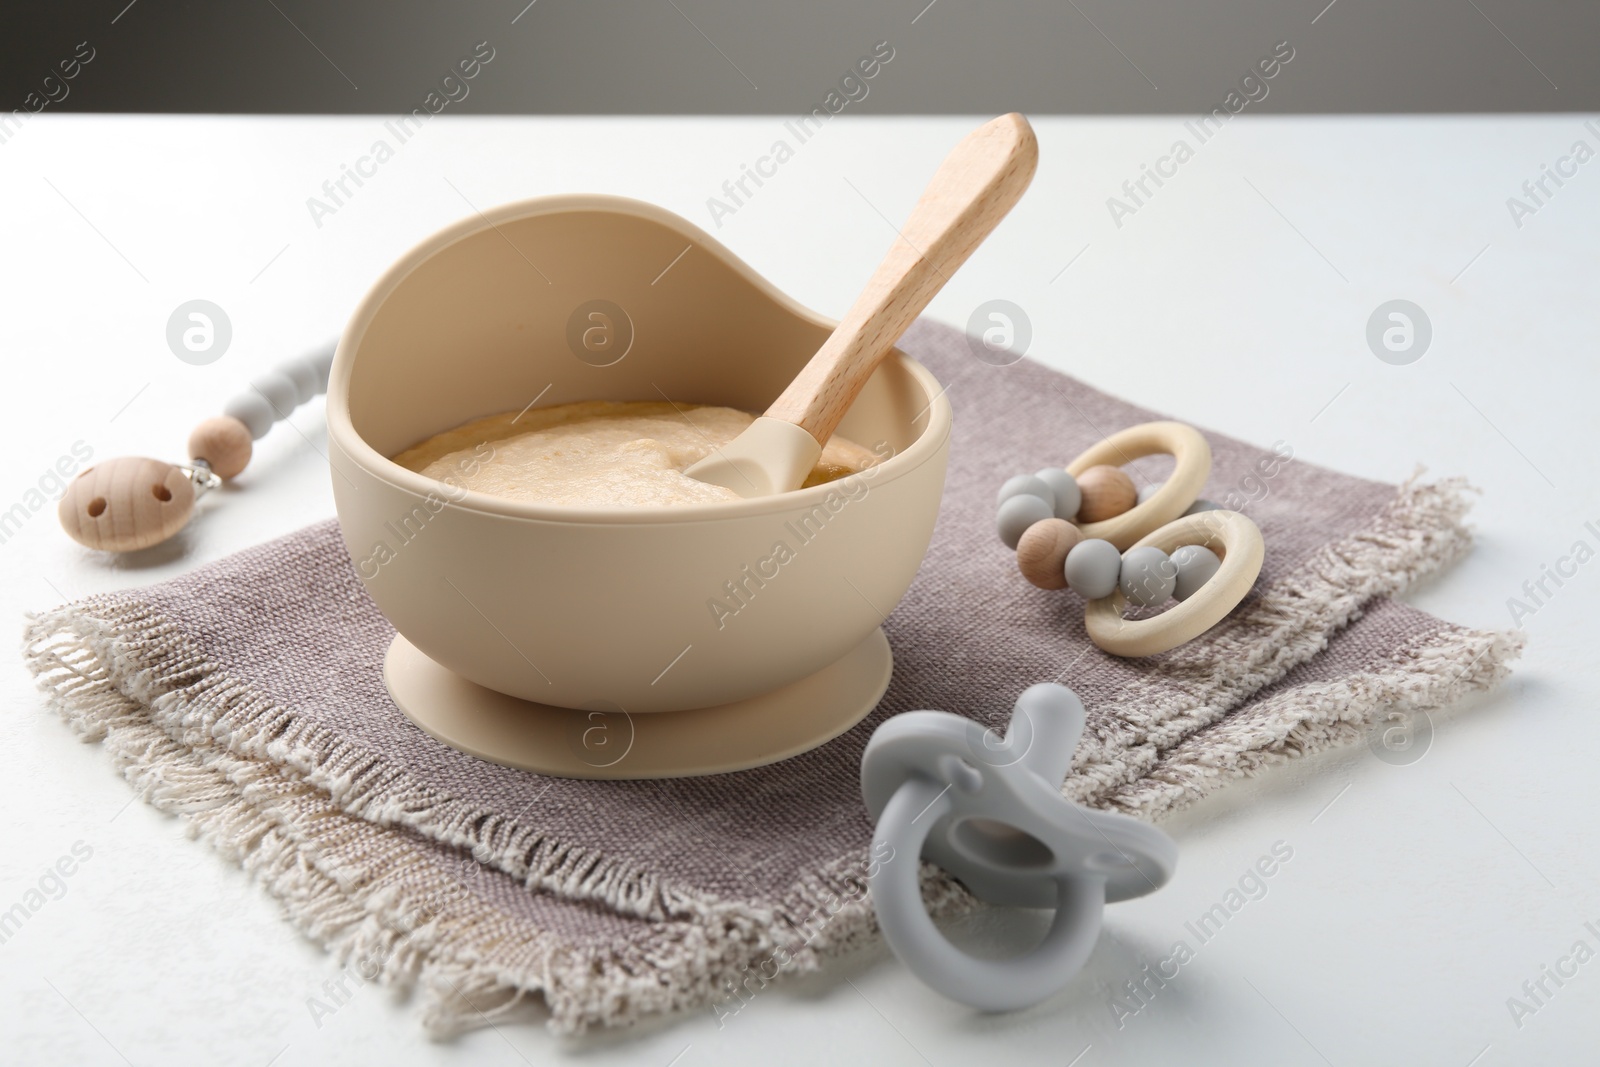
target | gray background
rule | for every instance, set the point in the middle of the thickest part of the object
(731, 57)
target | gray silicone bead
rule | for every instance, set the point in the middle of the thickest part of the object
(1148, 576)
(304, 377)
(1065, 487)
(1149, 491)
(1018, 513)
(279, 392)
(1203, 505)
(1029, 485)
(252, 410)
(1196, 564)
(1092, 568)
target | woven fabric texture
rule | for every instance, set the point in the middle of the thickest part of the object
(247, 697)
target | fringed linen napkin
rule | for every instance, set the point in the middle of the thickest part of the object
(247, 697)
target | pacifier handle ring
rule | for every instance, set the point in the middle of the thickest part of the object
(990, 985)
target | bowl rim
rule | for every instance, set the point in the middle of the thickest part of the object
(343, 436)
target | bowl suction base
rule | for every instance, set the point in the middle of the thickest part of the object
(608, 743)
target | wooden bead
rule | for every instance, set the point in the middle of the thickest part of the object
(126, 504)
(224, 443)
(1107, 493)
(1042, 552)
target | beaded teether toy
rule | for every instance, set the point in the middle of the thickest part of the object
(1086, 528)
(990, 811)
(131, 502)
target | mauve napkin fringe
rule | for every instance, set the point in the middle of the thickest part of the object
(249, 781)
(275, 826)
(1428, 675)
(1420, 533)
(266, 791)
(1191, 690)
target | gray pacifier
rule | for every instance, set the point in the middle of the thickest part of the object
(989, 810)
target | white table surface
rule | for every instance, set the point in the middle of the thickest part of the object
(1419, 897)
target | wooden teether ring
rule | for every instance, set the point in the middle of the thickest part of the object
(1192, 456)
(1231, 536)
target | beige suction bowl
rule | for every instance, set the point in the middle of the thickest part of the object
(753, 621)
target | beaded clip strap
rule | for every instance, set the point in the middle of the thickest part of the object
(1086, 528)
(132, 502)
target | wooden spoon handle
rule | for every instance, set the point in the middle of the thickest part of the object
(977, 184)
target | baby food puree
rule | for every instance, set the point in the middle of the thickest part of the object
(602, 453)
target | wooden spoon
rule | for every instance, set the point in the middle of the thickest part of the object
(974, 188)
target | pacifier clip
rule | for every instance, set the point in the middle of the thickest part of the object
(133, 502)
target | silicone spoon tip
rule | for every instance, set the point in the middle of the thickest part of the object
(977, 184)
